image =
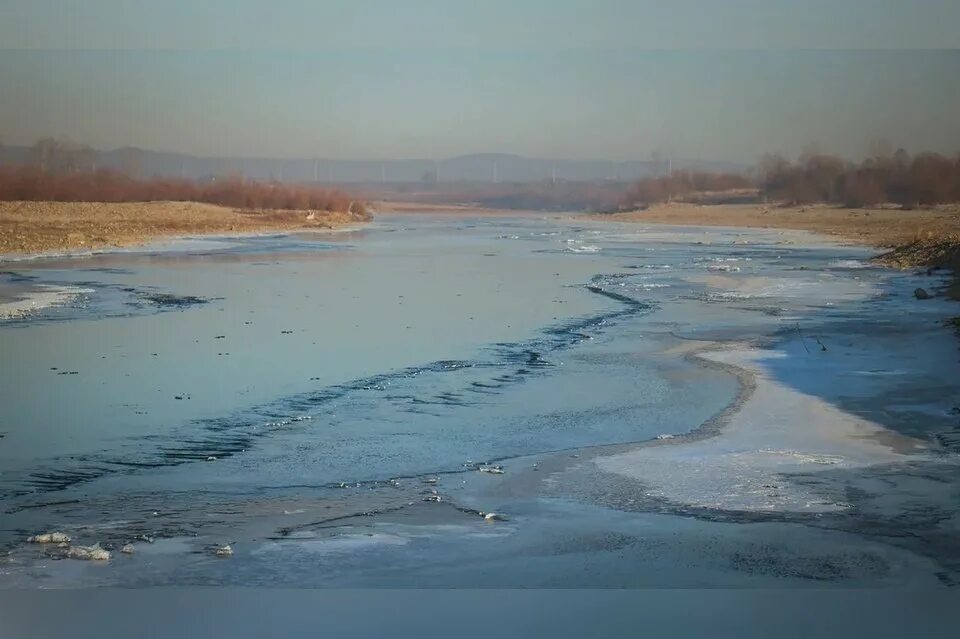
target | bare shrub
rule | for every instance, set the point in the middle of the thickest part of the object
(38, 184)
(923, 180)
(680, 184)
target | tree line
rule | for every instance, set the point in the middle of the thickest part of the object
(896, 177)
(681, 184)
(64, 171)
(31, 183)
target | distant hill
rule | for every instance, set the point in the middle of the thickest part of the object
(482, 167)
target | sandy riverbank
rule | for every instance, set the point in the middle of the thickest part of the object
(878, 227)
(36, 227)
(928, 237)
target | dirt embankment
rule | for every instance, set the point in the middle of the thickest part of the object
(33, 227)
(933, 252)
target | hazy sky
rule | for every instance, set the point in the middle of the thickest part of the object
(587, 79)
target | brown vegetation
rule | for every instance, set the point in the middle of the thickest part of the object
(923, 180)
(39, 184)
(547, 195)
(682, 184)
(544, 196)
(893, 178)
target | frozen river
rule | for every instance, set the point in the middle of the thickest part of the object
(668, 407)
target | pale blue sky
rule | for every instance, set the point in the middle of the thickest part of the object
(484, 24)
(612, 79)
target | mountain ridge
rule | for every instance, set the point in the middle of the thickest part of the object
(470, 167)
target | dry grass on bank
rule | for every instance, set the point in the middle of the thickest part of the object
(33, 227)
(882, 227)
(27, 183)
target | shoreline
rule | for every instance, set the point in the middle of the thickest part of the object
(928, 238)
(18, 302)
(882, 227)
(907, 238)
(168, 243)
(30, 230)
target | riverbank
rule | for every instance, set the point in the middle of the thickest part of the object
(399, 207)
(928, 237)
(38, 227)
